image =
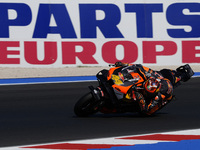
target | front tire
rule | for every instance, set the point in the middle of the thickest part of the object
(85, 106)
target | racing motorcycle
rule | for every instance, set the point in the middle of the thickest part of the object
(93, 101)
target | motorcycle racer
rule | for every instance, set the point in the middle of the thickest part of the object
(131, 88)
(150, 89)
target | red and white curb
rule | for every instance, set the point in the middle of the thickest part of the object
(121, 141)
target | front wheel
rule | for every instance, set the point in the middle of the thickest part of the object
(85, 106)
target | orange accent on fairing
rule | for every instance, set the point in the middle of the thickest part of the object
(146, 68)
(123, 89)
(110, 72)
(137, 76)
(143, 74)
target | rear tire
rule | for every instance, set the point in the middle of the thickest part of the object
(85, 106)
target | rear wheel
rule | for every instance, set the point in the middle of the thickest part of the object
(85, 106)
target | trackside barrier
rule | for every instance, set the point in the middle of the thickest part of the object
(68, 33)
(54, 80)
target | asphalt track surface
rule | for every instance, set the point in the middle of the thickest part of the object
(43, 113)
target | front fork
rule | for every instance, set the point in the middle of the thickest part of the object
(95, 93)
(97, 96)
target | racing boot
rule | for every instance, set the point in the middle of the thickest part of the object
(185, 72)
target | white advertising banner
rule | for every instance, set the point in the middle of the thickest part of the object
(61, 33)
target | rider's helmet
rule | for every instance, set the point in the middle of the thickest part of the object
(151, 86)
